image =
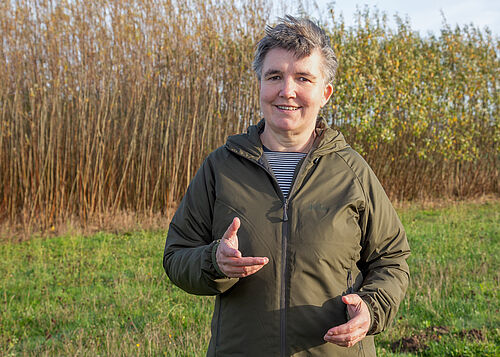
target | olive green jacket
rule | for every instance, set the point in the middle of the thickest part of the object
(337, 233)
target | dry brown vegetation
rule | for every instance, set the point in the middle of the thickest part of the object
(110, 106)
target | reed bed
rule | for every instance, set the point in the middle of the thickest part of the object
(111, 106)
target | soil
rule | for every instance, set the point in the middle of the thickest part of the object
(418, 342)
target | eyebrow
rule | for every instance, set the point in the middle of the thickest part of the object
(273, 72)
(306, 74)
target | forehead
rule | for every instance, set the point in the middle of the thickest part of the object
(282, 60)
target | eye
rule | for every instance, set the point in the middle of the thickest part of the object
(304, 79)
(274, 78)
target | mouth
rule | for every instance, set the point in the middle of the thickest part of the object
(287, 107)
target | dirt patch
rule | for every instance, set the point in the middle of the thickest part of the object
(408, 344)
(419, 342)
(473, 335)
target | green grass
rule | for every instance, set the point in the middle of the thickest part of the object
(104, 294)
(108, 295)
(454, 281)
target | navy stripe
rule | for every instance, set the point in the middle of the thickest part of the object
(283, 165)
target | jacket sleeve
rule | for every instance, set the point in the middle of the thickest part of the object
(383, 256)
(189, 256)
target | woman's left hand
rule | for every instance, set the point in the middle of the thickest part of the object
(355, 329)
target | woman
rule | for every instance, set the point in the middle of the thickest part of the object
(287, 224)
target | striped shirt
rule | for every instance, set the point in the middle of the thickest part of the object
(283, 165)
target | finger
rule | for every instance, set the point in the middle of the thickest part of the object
(241, 272)
(347, 328)
(232, 230)
(248, 261)
(241, 265)
(357, 325)
(345, 340)
(345, 343)
(345, 336)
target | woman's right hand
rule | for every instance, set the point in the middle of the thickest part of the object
(229, 258)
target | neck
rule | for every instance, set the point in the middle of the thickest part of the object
(287, 142)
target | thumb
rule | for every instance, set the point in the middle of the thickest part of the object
(354, 304)
(231, 232)
(351, 299)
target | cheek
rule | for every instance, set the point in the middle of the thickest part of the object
(315, 99)
(266, 95)
(264, 104)
(310, 100)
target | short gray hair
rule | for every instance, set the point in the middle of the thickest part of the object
(300, 36)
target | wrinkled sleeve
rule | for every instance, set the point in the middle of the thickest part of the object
(383, 256)
(189, 255)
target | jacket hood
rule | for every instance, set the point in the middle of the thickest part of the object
(249, 144)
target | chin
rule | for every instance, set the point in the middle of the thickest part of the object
(286, 124)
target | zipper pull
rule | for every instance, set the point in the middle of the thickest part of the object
(285, 209)
(349, 291)
(349, 282)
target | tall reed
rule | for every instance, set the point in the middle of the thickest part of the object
(110, 106)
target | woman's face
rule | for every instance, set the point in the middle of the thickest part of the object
(292, 91)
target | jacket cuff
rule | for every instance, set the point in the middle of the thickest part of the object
(214, 260)
(373, 320)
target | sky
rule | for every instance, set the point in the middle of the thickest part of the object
(425, 15)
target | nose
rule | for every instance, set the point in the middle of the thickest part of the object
(287, 89)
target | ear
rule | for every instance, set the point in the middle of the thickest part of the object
(327, 93)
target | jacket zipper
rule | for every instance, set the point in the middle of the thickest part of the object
(283, 294)
(284, 261)
(284, 235)
(284, 247)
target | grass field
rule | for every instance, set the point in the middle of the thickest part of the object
(108, 294)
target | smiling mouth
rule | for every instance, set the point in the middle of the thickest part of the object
(286, 107)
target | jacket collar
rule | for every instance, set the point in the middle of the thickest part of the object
(249, 145)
